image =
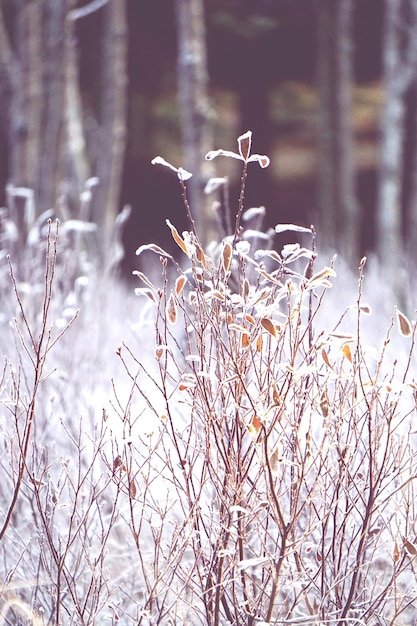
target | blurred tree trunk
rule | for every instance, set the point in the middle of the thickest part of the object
(195, 110)
(44, 112)
(338, 204)
(399, 67)
(410, 173)
(111, 143)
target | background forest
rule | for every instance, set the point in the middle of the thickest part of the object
(328, 89)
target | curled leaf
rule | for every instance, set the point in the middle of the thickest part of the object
(177, 238)
(153, 248)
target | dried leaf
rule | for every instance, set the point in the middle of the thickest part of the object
(105, 416)
(245, 289)
(200, 255)
(244, 342)
(324, 404)
(273, 254)
(244, 142)
(261, 295)
(227, 256)
(256, 423)
(117, 462)
(172, 309)
(141, 291)
(410, 547)
(274, 460)
(132, 489)
(325, 358)
(404, 326)
(144, 278)
(238, 327)
(153, 248)
(269, 326)
(396, 552)
(177, 238)
(276, 398)
(282, 228)
(259, 343)
(347, 353)
(159, 351)
(179, 284)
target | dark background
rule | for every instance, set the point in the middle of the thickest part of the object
(251, 54)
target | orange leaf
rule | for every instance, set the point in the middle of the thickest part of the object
(346, 351)
(268, 325)
(176, 236)
(275, 395)
(245, 340)
(256, 423)
(259, 343)
(200, 255)
(179, 284)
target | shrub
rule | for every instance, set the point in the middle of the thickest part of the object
(257, 467)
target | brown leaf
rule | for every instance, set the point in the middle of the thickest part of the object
(410, 547)
(172, 309)
(132, 489)
(404, 325)
(246, 289)
(256, 423)
(269, 326)
(396, 552)
(259, 343)
(245, 340)
(324, 403)
(244, 142)
(176, 237)
(117, 462)
(325, 358)
(179, 284)
(200, 255)
(275, 395)
(227, 256)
